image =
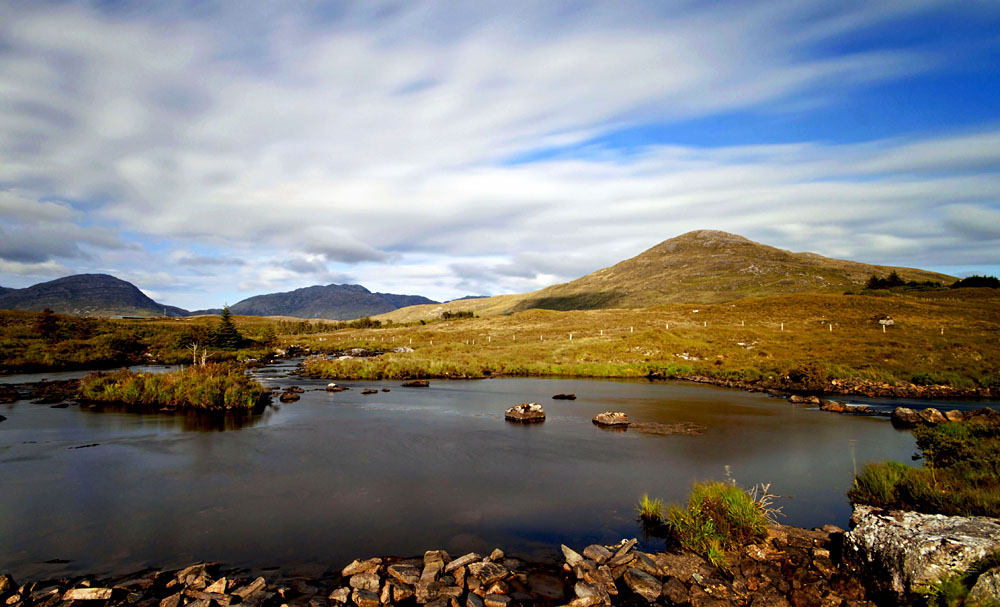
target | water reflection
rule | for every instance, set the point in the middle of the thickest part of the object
(187, 420)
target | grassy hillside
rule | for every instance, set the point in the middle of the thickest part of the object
(698, 267)
(748, 339)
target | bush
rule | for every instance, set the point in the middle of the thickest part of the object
(213, 386)
(718, 517)
(961, 475)
(991, 282)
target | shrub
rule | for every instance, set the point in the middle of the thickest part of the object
(213, 386)
(650, 510)
(718, 517)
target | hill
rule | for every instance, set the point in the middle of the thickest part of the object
(333, 302)
(701, 267)
(86, 295)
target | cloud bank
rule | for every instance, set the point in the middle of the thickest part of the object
(449, 149)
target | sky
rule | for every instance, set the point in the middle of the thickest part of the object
(209, 151)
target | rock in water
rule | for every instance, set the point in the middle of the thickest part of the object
(904, 417)
(564, 397)
(902, 552)
(417, 383)
(332, 387)
(526, 413)
(611, 418)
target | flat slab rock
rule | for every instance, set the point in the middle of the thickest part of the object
(525, 413)
(901, 552)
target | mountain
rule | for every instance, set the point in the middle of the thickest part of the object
(334, 302)
(701, 267)
(5, 289)
(86, 295)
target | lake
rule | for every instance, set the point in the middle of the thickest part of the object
(337, 476)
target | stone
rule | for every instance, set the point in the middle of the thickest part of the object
(585, 601)
(426, 590)
(621, 560)
(253, 587)
(643, 584)
(474, 600)
(564, 397)
(295, 390)
(584, 590)
(487, 573)
(833, 406)
(7, 584)
(954, 415)
(288, 397)
(496, 600)
(901, 552)
(573, 557)
(364, 598)
(904, 417)
(644, 562)
(431, 571)
(597, 553)
(674, 591)
(983, 415)
(417, 383)
(407, 574)
(626, 546)
(436, 556)
(340, 595)
(174, 600)
(8, 394)
(603, 578)
(611, 418)
(358, 566)
(497, 555)
(386, 390)
(986, 591)
(332, 387)
(218, 586)
(460, 576)
(401, 592)
(462, 561)
(451, 592)
(367, 391)
(366, 581)
(87, 594)
(525, 413)
(931, 416)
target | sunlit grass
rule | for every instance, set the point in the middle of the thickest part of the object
(214, 386)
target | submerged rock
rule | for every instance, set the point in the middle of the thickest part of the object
(525, 413)
(417, 383)
(8, 394)
(564, 397)
(369, 391)
(900, 553)
(611, 418)
(288, 397)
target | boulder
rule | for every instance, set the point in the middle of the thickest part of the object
(611, 418)
(8, 394)
(564, 397)
(340, 595)
(332, 387)
(597, 553)
(986, 590)
(295, 389)
(288, 397)
(369, 581)
(417, 383)
(359, 566)
(367, 391)
(407, 574)
(904, 417)
(833, 406)
(87, 594)
(487, 573)
(525, 413)
(954, 415)
(900, 553)
(983, 415)
(462, 561)
(573, 557)
(364, 598)
(643, 584)
(931, 416)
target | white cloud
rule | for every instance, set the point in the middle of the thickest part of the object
(373, 147)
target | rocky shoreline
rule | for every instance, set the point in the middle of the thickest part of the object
(793, 567)
(853, 387)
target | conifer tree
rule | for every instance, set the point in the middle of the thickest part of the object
(226, 334)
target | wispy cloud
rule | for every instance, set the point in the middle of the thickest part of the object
(373, 142)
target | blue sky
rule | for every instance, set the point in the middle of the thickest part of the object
(211, 151)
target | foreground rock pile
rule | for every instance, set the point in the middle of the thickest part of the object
(793, 568)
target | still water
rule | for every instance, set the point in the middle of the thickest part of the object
(336, 476)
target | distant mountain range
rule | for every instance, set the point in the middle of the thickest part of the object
(86, 295)
(700, 267)
(704, 266)
(334, 302)
(104, 295)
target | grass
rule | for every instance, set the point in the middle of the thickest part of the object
(717, 517)
(650, 510)
(960, 477)
(780, 342)
(211, 387)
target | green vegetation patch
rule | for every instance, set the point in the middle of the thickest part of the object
(718, 517)
(960, 477)
(212, 387)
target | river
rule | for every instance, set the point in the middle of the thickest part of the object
(336, 476)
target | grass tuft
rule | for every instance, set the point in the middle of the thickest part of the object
(650, 510)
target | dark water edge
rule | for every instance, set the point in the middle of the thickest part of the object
(335, 477)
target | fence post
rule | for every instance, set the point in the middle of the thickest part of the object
(631, 329)
(571, 337)
(782, 326)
